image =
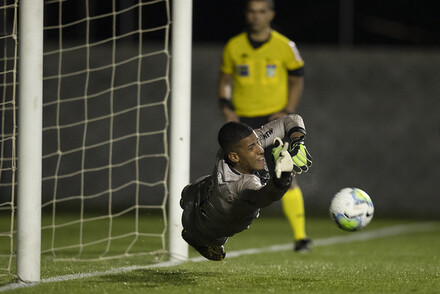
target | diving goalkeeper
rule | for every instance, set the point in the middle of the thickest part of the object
(217, 206)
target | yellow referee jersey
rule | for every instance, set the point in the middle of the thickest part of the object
(260, 75)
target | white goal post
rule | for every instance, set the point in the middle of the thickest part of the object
(30, 140)
(180, 120)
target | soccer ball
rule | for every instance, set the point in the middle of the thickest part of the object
(351, 209)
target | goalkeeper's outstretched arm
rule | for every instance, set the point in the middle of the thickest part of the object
(290, 126)
(280, 182)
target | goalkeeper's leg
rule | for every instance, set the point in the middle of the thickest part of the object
(293, 207)
(212, 250)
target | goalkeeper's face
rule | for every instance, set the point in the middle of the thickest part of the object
(248, 155)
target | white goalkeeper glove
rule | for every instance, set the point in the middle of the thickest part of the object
(282, 157)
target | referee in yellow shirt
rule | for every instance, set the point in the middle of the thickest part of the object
(262, 80)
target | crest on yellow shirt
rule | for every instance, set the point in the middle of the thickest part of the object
(271, 70)
(243, 70)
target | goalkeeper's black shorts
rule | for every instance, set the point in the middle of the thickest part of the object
(191, 209)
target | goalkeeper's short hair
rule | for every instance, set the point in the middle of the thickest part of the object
(231, 133)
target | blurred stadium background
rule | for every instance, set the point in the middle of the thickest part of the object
(372, 121)
(372, 116)
(370, 103)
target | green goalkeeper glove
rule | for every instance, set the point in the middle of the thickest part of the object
(282, 158)
(302, 160)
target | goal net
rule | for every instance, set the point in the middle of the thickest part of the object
(105, 157)
(8, 160)
(105, 120)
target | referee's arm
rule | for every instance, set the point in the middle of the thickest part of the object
(295, 89)
(225, 97)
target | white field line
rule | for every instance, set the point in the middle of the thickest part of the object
(349, 238)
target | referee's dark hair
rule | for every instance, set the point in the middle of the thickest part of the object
(270, 2)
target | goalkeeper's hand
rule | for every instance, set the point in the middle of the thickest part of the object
(282, 158)
(302, 160)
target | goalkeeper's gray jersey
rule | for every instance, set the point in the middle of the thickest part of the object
(229, 200)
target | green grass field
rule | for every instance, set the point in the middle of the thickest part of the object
(407, 261)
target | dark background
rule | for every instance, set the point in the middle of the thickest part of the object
(317, 22)
(391, 22)
(371, 101)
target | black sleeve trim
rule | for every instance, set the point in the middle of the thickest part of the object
(299, 72)
(224, 102)
(296, 129)
(284, 181)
